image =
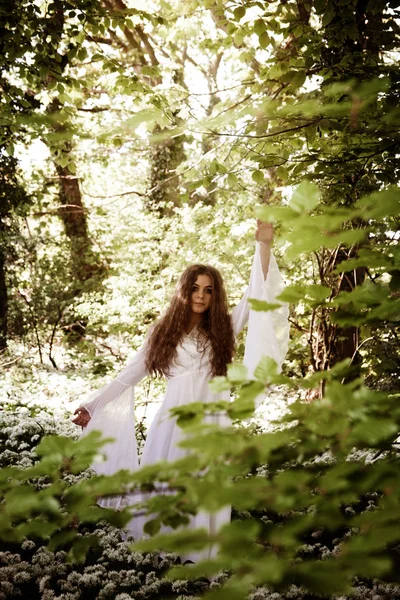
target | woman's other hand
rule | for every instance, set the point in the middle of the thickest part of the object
(264, 232)
(82, 418)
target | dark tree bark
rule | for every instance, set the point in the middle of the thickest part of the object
(346, 341)
(3, 301)
(13, 201)
(329, 342)
(165, 158)
(85, 262)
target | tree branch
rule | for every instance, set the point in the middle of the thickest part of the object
(265, 135)
(117, 195)
(146, 42)
(99, 40)
(95, 109)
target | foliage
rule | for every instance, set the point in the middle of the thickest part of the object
(111, 568)
(104, 566)
(331, 475)
(336, 455)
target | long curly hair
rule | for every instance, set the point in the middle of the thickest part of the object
(215, 326)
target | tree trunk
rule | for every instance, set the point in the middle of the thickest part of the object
(166, 156)
(13, 199)
(3, 303)
(329, 342)
(346, 341)
(84, 262)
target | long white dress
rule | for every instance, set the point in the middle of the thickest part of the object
(112, 408)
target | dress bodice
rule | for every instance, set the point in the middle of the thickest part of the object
(193, 355)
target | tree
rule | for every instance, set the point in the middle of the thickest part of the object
(26, 30)
(322, 108)
(13, 201)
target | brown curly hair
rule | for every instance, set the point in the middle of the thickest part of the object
(215, 325)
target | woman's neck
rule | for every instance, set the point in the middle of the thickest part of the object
(194, 320)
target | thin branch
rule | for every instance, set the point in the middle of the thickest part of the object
(119, 5)
(53, 333)
(96, 109)
(62, 177)
(265, 135)
(297, 326)
(34, 323)
(117, 195)
(187, 57)
(56, 211)
(147, 45)
(238, 103)
(117, 40)
(10, 362)
(112, 351)
(99, 40)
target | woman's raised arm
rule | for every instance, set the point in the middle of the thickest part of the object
(268, 331)
(264, 235)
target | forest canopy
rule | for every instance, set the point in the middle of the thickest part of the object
(138, 138)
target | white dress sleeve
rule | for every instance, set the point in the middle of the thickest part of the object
(112, 412)
(268, 332)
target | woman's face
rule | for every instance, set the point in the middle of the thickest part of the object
(201, 294)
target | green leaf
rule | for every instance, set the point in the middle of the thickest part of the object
(275, 72)
(282, 214)
(323, 577)
(239, 12)
(394, 284)
(299, 79)
(152, 527)
(148, 115)
(61, 539)
(79, 550)
(265, 368)
(373, 431)
(259, 27)
(243, 407)
(381, 204)
(312, 293)
(328, 15)
(237, 373)
(382, 258)
(232, 180)
(258, 177)
(189, 414)
(10, 149)
(220, 384)
(264, 39)
(305, 197)
(262, 306)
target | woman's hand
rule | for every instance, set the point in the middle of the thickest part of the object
(83, 416)
(264, 232)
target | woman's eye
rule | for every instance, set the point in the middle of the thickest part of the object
(209, 291)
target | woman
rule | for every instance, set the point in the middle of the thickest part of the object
(190, 344)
